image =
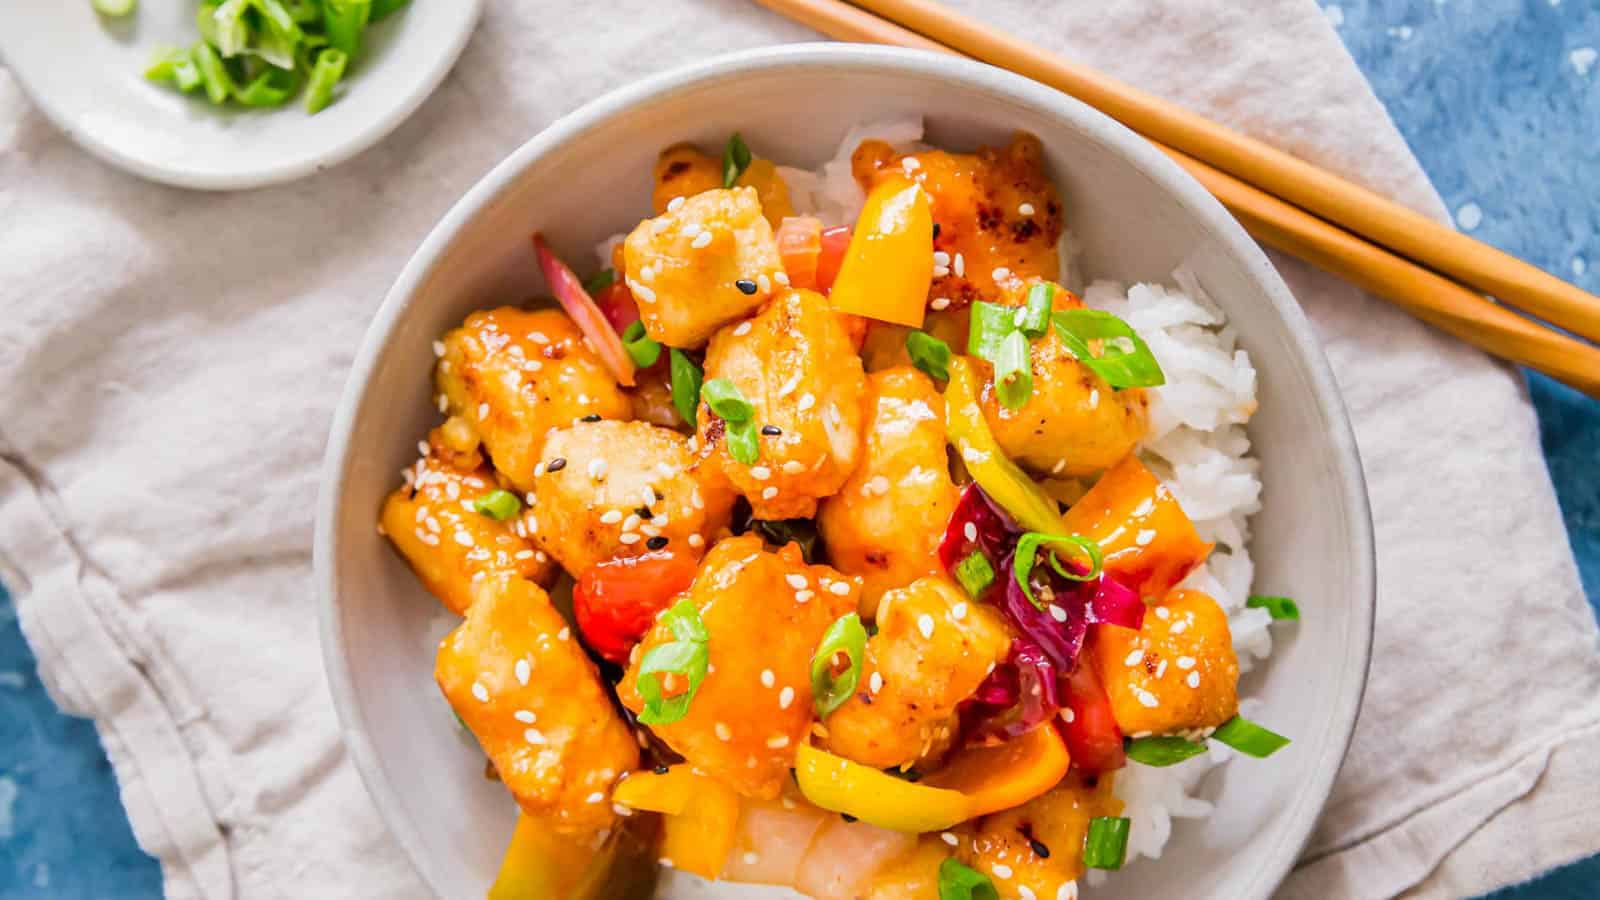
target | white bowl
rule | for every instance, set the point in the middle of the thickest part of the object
(86, 73)
(1137, 217)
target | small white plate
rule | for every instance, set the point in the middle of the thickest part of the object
(86, 72)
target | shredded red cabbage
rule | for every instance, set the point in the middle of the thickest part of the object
(1018, 696)
(992, 530)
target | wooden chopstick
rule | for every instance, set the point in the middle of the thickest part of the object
(1316, 190)
(1432, 298)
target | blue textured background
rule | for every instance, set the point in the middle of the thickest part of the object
(1499, 98)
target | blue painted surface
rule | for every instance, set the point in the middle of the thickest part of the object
(1498, 98)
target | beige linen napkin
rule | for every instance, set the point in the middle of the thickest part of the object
(169, 363)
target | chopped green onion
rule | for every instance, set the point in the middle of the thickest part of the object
(830, 689)
(725, 400)
(1125, 360)
(499, 505)
(1034, 318)
(643, 349)
(174, 67)
(214, 75)
(113, 7)
(1013, 371)
(929, 354)
(599, 281)
(686, 378)
(304, 12)
(1163, 751)
(687, 656)
(1027, 554)
(1249, 738)
(324, 75)
(960, 882)
(273, 87)
(735, 159)
(975, 573)
(382, 8)
(1280, 608)
(781, 532)
(229, 32)
(344, 21)
(1106, 846)
(988, 327)
(744, 443)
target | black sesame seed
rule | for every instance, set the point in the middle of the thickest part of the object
(661, 770)
(556, 464)
(771, 430)
(656, 543)
(644, 512)
(745, 286)
(847, 817)
(592, 417)
(1039, 849)
(936, 231)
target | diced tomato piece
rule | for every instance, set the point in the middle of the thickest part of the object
(800, 245)
(1093, 738)
(616, 601)
(835, 241)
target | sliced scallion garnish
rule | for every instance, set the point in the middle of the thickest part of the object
(725, 400)
(987, 328)
(1106, 846)
(975, 573)
(381, 8)
(1013, 371)
(686, 378)
(929, 354)
(687, 657)
(114, 7)
(1034, 319)
(498, 504)
(1027, 554)
(1163, 751)
(744, 442)
(735, 159)
(1280, 608)
(958, 881)
(214, 76)
(324, 75)
(1125, 360)
(642, 349)
(831, 688)
(1249, 738)
(344, 21)
(599, 281)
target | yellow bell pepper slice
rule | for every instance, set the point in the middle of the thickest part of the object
(668, 792)
(877, 798)
(542, 863)
(989, 466)
(1006, 775)
(702, 815)
(763, 175)
(888, 266)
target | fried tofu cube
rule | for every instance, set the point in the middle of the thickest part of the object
(614, 489)
(527, 691)
(448, 543)
(1056, 821)
(885, 524)
(514, 374)
(683, 170)
(1177, 673)
(686, 265)
(765, 612)
(796, 366)
(932, 650)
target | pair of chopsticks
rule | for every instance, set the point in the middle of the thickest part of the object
(1434, 272)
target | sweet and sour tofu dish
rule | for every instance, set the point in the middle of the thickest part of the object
(871, 594)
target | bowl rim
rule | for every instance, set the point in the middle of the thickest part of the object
(1289, 841)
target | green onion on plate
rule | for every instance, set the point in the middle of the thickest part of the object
(686, 657)
(929, 354)
(975, 573)
(498, 504)
(643, 350)
(1249, 738)
(735, 159)
(831, 687)
(1163, 751)
(1106, 846)
(1280, 608)
(957, 881)
(686, 378)
(1125, 360)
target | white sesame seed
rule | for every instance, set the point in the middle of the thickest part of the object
(1001, 273)
(631, 523)
(695, 540)
(750, 858)
(793, 467)
(764, 284)
(524, 671)
(911, 164)
(597, 468)
(666, 862)
(1144, 537)
(642, 292)
(538, 337)
(444, 403)
(692, 230)
(1057, 613)
(767, 678)
(611, 517)
(1180, 627)
(480, 692)
(1134, 658)
(878, 485)
(525, 717)
(839, 588)
(723, 734)
(1161, 669)
(769, 493)
(941, 258)
(796, 580)
(463, 539)
(1163, 613)
(422, 447)
(760, 473)
(1068, 891)
(533, 737)
(701, 240)
(648, 273)
(949, 838)
(971, 531)
(925, 625)
(960, 266)
(940, 302)
(1094, 398)
(438, 348)
(1193, 680)
(803, 596)
(1025, 209)
(1001, 871)
(621, 810)
(483, 411)
(1026, 893)
(875, 683)
(564, 634)
(785, 697)
(1146, 699)
(629, 537)
(778, 742)
(959, 611)
(675, 204)
(806, 401)
(1186, 663)
(1067, 715)
(596, 797)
